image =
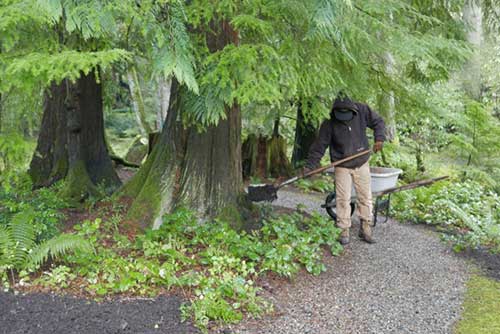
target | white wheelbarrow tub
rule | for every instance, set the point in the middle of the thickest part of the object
(382, 178)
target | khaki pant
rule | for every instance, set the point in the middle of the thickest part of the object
(343, 184)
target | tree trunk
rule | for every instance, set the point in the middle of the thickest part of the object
(78, 185)
(305, 134)
(95, 150)
(386, 102)
(201, 171)
(72, 116)
(50, 160)
(164, 87)
(138, 101)
(472, 15)
(266, 157)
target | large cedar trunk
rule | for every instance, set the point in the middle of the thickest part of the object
(73, 130)
(305, 134)
(198, 170)
(50, 160)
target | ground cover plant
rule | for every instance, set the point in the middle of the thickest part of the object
(214, 266)
(467, 212)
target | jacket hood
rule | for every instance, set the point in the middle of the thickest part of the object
(344, 103)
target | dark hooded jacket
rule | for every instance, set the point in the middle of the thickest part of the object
(346, 138)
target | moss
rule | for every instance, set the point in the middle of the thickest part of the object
(59, 169)
(78, 186)
(481, 307)
(231, 214)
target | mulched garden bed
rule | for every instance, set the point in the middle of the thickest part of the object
(49, 313)
(488, 262)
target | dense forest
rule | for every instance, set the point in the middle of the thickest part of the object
(129, 131)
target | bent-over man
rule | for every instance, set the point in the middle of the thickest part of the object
(345, 134)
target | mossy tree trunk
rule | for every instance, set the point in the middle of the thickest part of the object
(78, 185)
(73, 115)
(305, 134)
(199, 170)
(266, 157)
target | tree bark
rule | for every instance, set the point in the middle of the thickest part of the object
(472, 15)
(199, 170)
(164, 88)
(78, 185)
(138, 101)
(305, 134)
(73, 115)
(266, 157)
(386, 103)
(50, 160)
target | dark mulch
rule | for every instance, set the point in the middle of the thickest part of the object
(490, 263)
(47, 313)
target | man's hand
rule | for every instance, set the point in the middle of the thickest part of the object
(378, 146)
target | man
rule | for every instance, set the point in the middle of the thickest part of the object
(345, 134)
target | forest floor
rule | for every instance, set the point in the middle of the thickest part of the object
(408, 282)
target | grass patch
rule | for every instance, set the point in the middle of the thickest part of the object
(481, 307)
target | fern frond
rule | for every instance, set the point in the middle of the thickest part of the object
(57, 247)
(5, 240)
(22, 235)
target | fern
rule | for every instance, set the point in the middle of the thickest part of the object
(22, 234)
(19, 249)
(57, 247)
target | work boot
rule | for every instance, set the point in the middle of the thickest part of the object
(344, 236)
(365, 232)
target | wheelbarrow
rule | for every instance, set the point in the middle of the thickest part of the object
(383, 184)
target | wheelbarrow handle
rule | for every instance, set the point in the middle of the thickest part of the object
(321, 169)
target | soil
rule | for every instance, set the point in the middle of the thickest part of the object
(488, 262)
(48, 313)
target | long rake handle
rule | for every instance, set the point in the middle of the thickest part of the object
(321, 169)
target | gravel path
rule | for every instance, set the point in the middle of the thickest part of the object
(408, 282)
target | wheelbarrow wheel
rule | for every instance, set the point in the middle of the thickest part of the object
(330, 205)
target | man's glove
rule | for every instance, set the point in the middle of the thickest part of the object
(378, 146)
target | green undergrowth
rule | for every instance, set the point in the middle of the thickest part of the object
(467, 212)
(481, 313)
(322, 184)
(44, 202)
(213, 265)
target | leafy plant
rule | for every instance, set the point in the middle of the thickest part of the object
(20, 197)
(216, 264)
(467, 210)
(321, 184)
(19, 249)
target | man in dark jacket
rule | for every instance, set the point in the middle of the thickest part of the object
(345, 134)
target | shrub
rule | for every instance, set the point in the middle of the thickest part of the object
(467, 210)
